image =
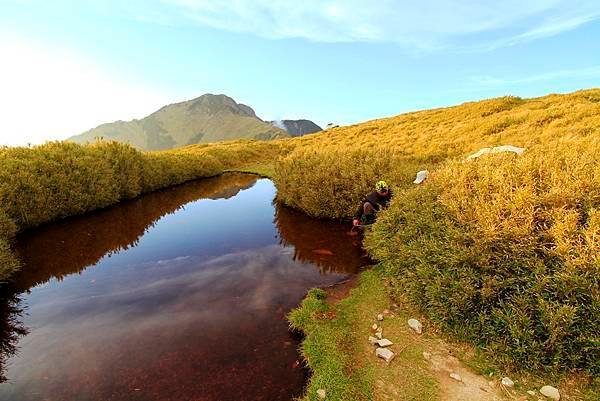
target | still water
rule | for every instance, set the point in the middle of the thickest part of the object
(177, 295)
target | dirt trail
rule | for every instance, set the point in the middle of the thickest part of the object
(423, 363)
(471, 387)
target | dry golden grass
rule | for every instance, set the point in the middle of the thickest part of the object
(395, 148)
(504, 250)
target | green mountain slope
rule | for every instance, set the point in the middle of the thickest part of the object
(209, 118)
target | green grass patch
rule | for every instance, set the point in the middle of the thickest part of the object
(339, 356)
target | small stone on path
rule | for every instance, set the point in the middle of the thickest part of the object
(385, 354)
(426, 355)
(415, 325)
(373, 340)
(380, 317)
(506, 382)
(550, 392)
(374, 327)
(321, 393)
(456, 377)
(531, 392)
(379, 335)
(384, 342)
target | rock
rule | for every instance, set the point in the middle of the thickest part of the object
(426, 355)
(415, 325)
(321, 394)
(550, 392)
(374, 327)
(373, 340)
(380, 317)
(385, 354)
(506, 382)
(384, 342)
(531, 392)
(456, 377)
(379, 335)
(497, 149)
(421, 177)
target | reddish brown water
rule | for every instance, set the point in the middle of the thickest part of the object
(178, 295)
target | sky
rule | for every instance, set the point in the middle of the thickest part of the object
(68, 66)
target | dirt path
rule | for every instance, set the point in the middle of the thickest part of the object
(423, 363)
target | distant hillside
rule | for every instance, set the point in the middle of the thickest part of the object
(209, 118)
(297, 127)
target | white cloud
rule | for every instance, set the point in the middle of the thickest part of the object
(49, 93)
(489, 81)
(489, 85)
(425, 24)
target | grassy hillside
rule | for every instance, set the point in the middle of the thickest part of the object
(345, 161)
(504, 250)
(209, 118)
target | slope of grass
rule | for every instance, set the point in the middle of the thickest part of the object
(326, 174)
(504, 250)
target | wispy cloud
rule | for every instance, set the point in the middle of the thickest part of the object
(423, 25)
(550, 27)
(486, 84)
(489, 81)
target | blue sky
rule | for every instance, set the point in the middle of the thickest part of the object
(71, 65)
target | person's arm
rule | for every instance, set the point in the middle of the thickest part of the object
(358, 215)
(387, 199)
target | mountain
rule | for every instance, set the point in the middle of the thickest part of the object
(209, 118)
(297, 127)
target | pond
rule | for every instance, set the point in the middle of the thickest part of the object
(180, 294)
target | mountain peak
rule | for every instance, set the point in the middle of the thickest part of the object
(297, 127)
(210, 104)
(208, 118)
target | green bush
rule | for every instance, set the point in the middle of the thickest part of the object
(505, 252)
(331, 182)
(61, 179)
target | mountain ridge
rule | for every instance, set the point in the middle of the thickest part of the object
(207, 118)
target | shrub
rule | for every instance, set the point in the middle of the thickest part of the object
(505, 252)
(331, 182)
(61, 179)
(502, 250)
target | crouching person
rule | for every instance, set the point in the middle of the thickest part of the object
(375, 201)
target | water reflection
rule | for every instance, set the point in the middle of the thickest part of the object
(326, 245)
(11, 328)
(69, 246)
(151, 300)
